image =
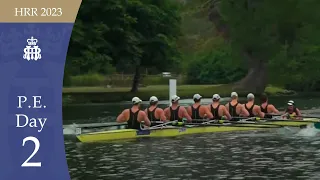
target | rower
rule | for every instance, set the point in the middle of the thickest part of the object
(218, 110)
(175, 111)
(267, 108)
(235, 108)
(134, 116)
(253, 110)
(196, 111)
(153, 112)
(293, 111)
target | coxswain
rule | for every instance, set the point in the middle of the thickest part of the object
(266, 108)
(134, 116)
(197, 112)
(218, 110)
(175, 111)
(292, 111)
(154, 113)
(235, 108)
(253, 110)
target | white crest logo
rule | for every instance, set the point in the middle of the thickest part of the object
(32, 51)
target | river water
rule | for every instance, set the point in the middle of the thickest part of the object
(273, 154)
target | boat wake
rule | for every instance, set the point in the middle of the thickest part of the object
(309, 131)
(69, 129)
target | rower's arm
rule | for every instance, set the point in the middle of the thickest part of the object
(166, 113)
(227, 107)
(274, 110)
(121, 118)
(298, 114)
(226, 112)
(145, 118)
(259, 112)
(208, 113)
(244, 112)
(162, 115)
(189, 111)
(186, 115)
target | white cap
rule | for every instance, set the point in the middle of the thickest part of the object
(216, 97)
(136, 100)
(174, 98)
(290, 103)
(250, 96)
(197, 96)
(234, 94)
(153, 99)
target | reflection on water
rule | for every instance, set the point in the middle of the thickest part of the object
(235, 155)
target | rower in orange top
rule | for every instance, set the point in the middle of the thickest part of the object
(267, 108)
(218, 110)
(175, 111)
(153, 112)
(235, 108)
(293, 111)
(196, 111)
(134, 116)
(254, 110)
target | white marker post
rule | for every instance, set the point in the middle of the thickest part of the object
(172, 89)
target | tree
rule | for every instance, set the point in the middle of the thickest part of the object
(158, 27)
(125, 34)
(260, 30)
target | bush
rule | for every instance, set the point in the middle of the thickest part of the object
(159, 80)
(88, 80)
(215, 67)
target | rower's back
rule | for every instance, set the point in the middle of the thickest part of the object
(215, 108)
(151, 113)
(195, 112)
(267, 108)
(249, 107)
(134, 119)
(174, 113)
(233, 109)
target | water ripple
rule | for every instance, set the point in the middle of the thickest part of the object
(245, 155)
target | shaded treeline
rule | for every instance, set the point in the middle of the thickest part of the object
(250, 43)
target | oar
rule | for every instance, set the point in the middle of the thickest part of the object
(287, 120)
(249, 121)
(98, 125)
(159, 126)
(303, 116)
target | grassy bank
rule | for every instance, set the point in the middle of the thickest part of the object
(119, 80)
(102, 94)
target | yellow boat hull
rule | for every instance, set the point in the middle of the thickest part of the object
(178, 131)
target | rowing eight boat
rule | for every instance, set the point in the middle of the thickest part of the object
(171, 131)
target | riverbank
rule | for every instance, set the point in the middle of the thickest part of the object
(76, 95)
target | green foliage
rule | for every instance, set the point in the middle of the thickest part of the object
(300, 52)
(118, 34)
(88, 80)
(215, 67)
(119, 80)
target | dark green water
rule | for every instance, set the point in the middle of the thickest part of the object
(276, 154)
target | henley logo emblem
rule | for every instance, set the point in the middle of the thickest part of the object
(32, 51)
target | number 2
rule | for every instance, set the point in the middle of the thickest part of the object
(36, 148)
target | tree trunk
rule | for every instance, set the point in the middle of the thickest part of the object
(136, 79)
(256, 79)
